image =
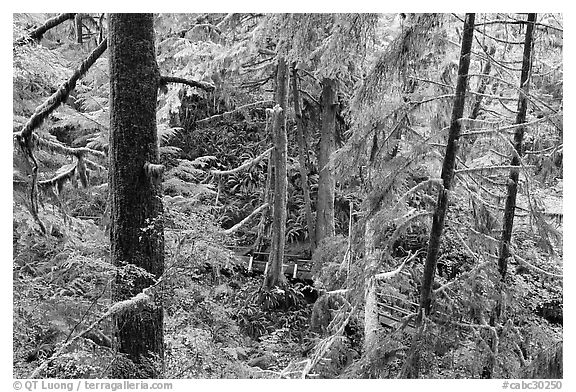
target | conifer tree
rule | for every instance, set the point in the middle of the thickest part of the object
(136, 233)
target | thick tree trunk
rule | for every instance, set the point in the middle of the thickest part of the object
(303, 158)
(326, 183)
(447, 167)
(137, 232)
(510, 208)
(275, 274)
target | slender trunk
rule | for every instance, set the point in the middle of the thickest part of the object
(265, 218)
(136, 232)
(510, 208)
(326, 183)
(303, 158)
(483, 84)
(371, 324)
(275, 274)
(447, 167)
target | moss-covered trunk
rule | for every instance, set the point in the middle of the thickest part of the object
(275, 274)
(447, 166)
(303, 158)
(136, 232)
(371, 324)
(326, 183)
(510, 208)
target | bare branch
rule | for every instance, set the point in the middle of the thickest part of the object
(246, 220)
(390, 274)
(245, 165)
(490, 168)
(44, 110)
(204, 121)
(38, 32)
(192, 83)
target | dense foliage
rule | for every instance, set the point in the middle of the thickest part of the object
(395, 79)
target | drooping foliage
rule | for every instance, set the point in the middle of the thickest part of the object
(393, 79)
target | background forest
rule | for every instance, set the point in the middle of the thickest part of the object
(318, 196)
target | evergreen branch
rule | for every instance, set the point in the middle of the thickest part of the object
(437, 182)
(407, 219)
(37, 33)
(54, 101)
(226, 19)
(189, 82)
(266, 103)
(246, 220)
(245, 165)
(464, 275)
(325, 345)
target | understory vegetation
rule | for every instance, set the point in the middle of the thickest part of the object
(367, 106)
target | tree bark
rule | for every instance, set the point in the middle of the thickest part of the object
(136, 232)
(510, 208)
(303, 158)
(512, 185)
(275, 274)
(326, 183)
(371, 324)
(447, 167)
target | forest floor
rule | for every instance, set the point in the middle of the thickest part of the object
(213, 327)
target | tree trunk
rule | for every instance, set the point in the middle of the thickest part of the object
(326, 183)
(303, 158)
(279, 155)
(447, 167)
(371, 324)
(137, 232)
(265, 219)
(510, 208)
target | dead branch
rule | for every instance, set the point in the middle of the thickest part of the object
(63, 149)
(37, 33)
(143, 299)
(246, 220)
(390, 274)
(537, 269)
(54, 101)
(245, 165)
(490, 168)
(266, 104)
(189, 82)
